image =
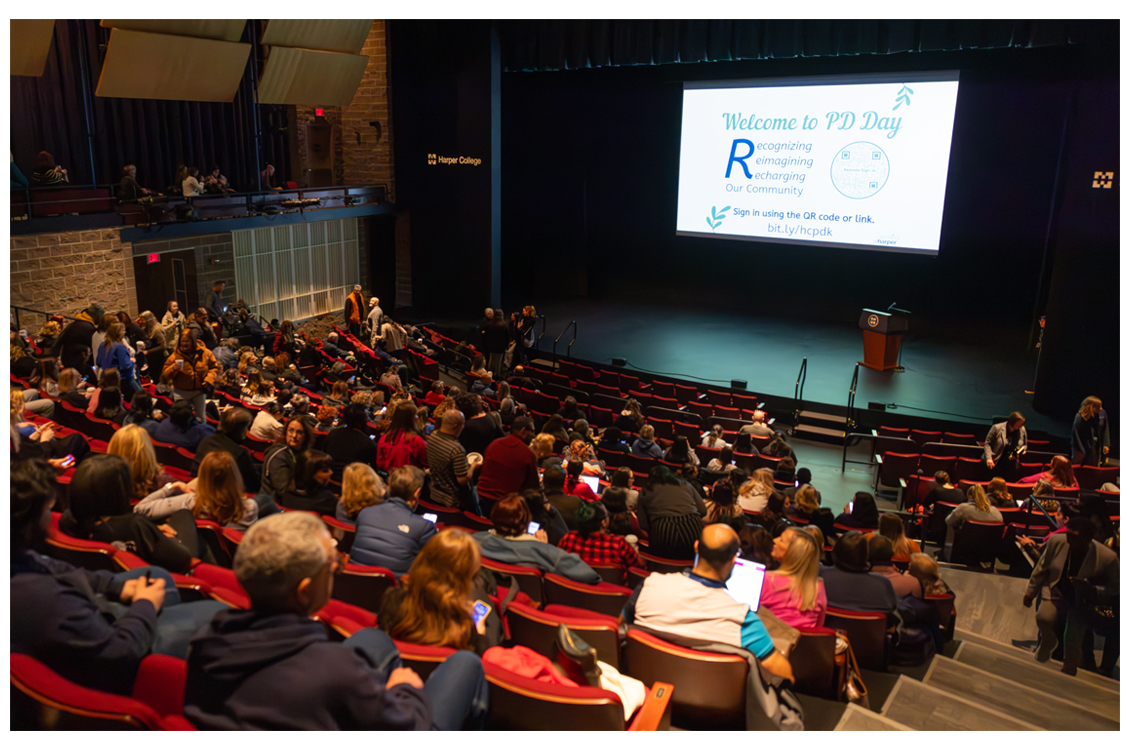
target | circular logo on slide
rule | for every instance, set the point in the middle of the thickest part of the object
(873, 321)
(860, 169)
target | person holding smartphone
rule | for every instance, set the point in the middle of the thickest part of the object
(389, 533)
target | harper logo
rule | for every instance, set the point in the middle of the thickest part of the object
(431, 160)
(437, 159)
(1103, 180)
(873, 321)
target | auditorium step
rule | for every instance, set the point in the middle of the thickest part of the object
(1041, 708)
(1026, 671)
(1025, 655)
(856, 719)
(821, 427)
(925, 707)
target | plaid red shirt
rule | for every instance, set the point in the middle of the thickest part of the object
(601, 549)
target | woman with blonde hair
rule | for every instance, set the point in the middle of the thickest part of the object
(975, 508)
(157, 345)
(134, 445)
(807, 507)
(754, 494)
(247, 360)
(794, 592)
(360, 488)
(1090, 433)
(257, 391)
(433, 606)
(891, 527)
(542, 446)
(926, 570)
(217, 496)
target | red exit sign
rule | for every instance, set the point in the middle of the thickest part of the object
(154, 257)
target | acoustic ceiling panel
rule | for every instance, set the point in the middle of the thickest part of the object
(140, 65)
(335, 35)
(316, 79)
(223, 29)
(30, 42)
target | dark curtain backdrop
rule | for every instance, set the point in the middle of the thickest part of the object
(156, 135)
(560, 45)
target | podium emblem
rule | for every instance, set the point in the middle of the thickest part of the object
(873, 321)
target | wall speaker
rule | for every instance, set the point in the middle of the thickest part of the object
(618, 362)
(876, 406)
(739, 385)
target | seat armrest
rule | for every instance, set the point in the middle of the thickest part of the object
(655, 713)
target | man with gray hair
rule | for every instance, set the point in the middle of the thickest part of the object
(273, 667)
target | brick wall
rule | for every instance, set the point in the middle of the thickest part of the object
(358, 157)
(64, 273)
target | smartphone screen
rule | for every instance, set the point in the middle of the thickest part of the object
(68, 461)
(851, 507)
(480, 611)
(430, 517)
(533, 528)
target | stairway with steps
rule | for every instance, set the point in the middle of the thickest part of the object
(987, 685)
(823, 428)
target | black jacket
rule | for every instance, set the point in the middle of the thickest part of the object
(139, 535)
(346, 446)
(66, 617)
(71, 342)
(252, 671)
(249, 470)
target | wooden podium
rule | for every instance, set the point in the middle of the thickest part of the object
(882, 335)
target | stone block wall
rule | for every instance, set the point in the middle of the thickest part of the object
(359, 158)
(64, 273)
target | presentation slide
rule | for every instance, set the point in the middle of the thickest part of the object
(854, 162)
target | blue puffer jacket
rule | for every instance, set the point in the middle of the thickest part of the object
(390, 535)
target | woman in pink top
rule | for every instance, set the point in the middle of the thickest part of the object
(1059, 473)
(794, 592)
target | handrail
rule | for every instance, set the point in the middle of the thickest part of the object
(851, 398)
(573, 325)
(569, 349)
(798, 391)
(537, 341)
(44, 313)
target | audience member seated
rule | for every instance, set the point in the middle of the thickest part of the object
(723, 504)
(509, 542)
(670, 512)
(1071, 564)
(621, 520)
(280, 459)
(695, 604)
(569, 410)
(46, 171)
(581, 431)
(998, 494)
(141, 412)
(181, 428)
(976, 508)
(613, 440)
(891, 527)
(133, 444)
(325, 417)
(257, 391)
(46, 378)
(268, 424)
(191, 185)
(29, 440)
(593, 543)
(91, 627)
(553, 484)
(228, 383)
(541, 445)
(401, 444)
(860, 513)
(794, 592)
(623, 478)
(645, 444)
(242, 666)
(713, 439)
(508, 465)
(576, 486)
(215, 182)
(631, 418)
(339, 392)
(806, 506)
(434, 603)
(389, 532)
(435, 394)
(69, 380)
(555, 426)
(360, 488)
(724, 464)
(758, 426)
(849, 582)
(880, 553)
(450, 470)
(944, 491)
(100, 510)
(754, 495)
(309, 486)
(545, 516)
(110, 406)
(218, 496)
(1059, 473)
(228, 438)
(681, 452)
(779, 448)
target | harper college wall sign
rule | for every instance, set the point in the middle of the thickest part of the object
(434, 160)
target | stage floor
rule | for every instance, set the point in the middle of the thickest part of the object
(963, 375)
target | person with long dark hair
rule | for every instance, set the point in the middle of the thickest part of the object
(593, 542)
(282, 457)
(681, 452)
(671, 513)
(860, 513)
(309, 485)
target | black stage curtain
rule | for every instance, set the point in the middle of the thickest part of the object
(48, 114)
(560, 45)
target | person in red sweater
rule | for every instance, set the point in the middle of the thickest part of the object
(401, 445)
(435, 395)
(508, 465)
(577, 486)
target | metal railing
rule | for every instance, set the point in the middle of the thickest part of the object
(16, 314)
(537, 341)
(573, 325)
(798, 391)
(851, 400)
